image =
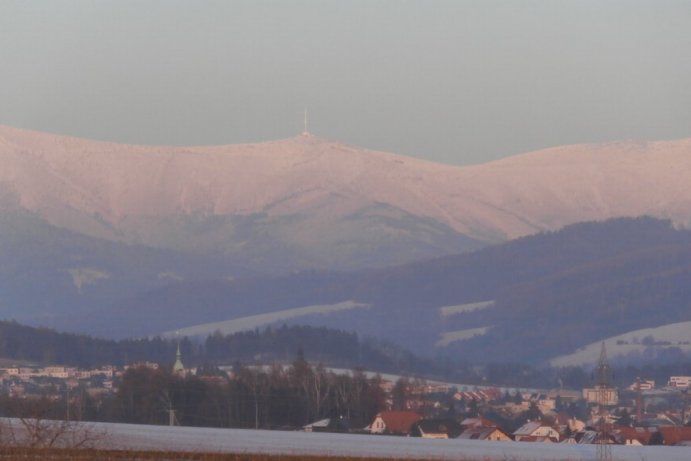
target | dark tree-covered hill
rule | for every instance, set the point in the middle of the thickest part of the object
(331, 347)
(553, 292)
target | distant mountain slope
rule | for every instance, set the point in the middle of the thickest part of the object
(307, 202)
(298, 203)
(552, 293)
(555, 187)
(46, 272)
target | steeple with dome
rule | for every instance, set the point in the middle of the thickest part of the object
(178, 367)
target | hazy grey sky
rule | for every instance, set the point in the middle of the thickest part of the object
(452, 81)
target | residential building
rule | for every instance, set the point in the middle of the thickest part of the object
(393, 422)
(436, 429)
(592, 395)
(477, 422)
(485, 433)
(679, 382)
(643, 385)
(535, 431)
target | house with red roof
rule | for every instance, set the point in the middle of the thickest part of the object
(436, 429)
(478, 421)
(485, 433)
(675, 435)
(633, 435)
(393, 422)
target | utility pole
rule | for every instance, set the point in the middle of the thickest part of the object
(685, 394)
(168, 402)
(256, 412)
(171, 417)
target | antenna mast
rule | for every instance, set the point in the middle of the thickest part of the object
(639, 401)
(305, 131)
(604, 451)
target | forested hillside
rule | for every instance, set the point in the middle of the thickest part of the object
(318, 344)
(552, 292)
(48, 272)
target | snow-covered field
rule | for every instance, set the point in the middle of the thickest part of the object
(445, 311)
(125, 436)
(676, 334)
(254, 321)
(460, 335)
(459, 386)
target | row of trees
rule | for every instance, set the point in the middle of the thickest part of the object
(252, 397)
(338, 347)
(261, 397)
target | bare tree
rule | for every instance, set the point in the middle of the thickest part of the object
(43, 433)
(39, 431)
(318, 388)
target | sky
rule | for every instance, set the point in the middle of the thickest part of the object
(459, 82)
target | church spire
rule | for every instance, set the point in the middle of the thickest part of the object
(603, 371)
(178, 367)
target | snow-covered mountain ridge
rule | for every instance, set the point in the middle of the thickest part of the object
(330, 201)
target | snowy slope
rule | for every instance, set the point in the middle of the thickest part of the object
(636, 343)
(126, 436)
(252, 322)
(121, 191)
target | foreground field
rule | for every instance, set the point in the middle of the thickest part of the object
(56, 454)
(61, 454)
(129, 441)
(261, 445)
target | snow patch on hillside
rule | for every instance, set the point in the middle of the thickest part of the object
(83, 276)
(254, 321)
(445, 311)
(637, 341)
(460, 335)
(371, 374)
(169, 276)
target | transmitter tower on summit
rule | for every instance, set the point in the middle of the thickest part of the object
(305, 132)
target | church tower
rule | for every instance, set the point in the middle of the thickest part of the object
(178, 368)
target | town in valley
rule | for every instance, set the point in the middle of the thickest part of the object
(643, 413)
